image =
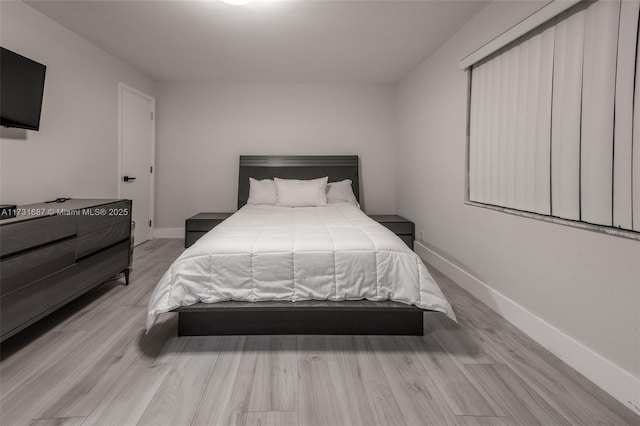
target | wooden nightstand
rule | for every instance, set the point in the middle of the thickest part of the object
(403, 228)
(198, 225)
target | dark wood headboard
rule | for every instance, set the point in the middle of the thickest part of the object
(336, 167)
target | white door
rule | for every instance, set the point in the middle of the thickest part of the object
(137, 157)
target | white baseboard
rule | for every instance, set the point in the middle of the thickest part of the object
(616, 381)
(168, 233)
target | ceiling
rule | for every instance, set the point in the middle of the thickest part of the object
(267, 40)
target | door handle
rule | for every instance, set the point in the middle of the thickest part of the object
(128, 178)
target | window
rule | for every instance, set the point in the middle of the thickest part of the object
(554, 119)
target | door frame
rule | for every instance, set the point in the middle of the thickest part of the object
(152, 161)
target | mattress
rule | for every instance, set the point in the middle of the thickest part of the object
(268, 253)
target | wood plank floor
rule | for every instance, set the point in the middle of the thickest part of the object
(91, 363)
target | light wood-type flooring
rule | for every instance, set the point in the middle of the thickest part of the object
(91, 363)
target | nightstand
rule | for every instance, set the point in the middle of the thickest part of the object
(403, 228)
(198, 225)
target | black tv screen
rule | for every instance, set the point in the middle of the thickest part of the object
(21, 90)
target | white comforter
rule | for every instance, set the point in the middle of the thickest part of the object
(264, 253)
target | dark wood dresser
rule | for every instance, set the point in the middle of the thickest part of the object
(51, 253)
(403, 228)
(198, 225)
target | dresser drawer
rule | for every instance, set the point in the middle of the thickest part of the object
(399, 228)
(22, 269)
(35, 300)
(202, 225)
(104, 216)
(96, 241)
(20, 236)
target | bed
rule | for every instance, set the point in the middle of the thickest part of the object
(306, 270)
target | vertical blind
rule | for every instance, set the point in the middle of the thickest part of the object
(555, 119)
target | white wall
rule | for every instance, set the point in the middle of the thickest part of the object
(75, 152)
(203, 128)
(584, 283)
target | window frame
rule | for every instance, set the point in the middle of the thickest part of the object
(547, 15)
(603, 229)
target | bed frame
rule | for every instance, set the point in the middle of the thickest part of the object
(307, 317)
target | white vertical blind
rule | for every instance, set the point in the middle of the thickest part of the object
(555, 120)
(565, 130)
(496, 119)
(532, 131)
(512, 94)
(501, 148)
(521, 129)
(598, 97)
(513, 90)
(542, 202)
(635, 179)
(475, 133)
(623, 136)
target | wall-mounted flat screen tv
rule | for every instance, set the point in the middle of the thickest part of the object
(21, 90)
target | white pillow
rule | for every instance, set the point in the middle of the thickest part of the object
(341, 192)
(301, 193)
(262, 191)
